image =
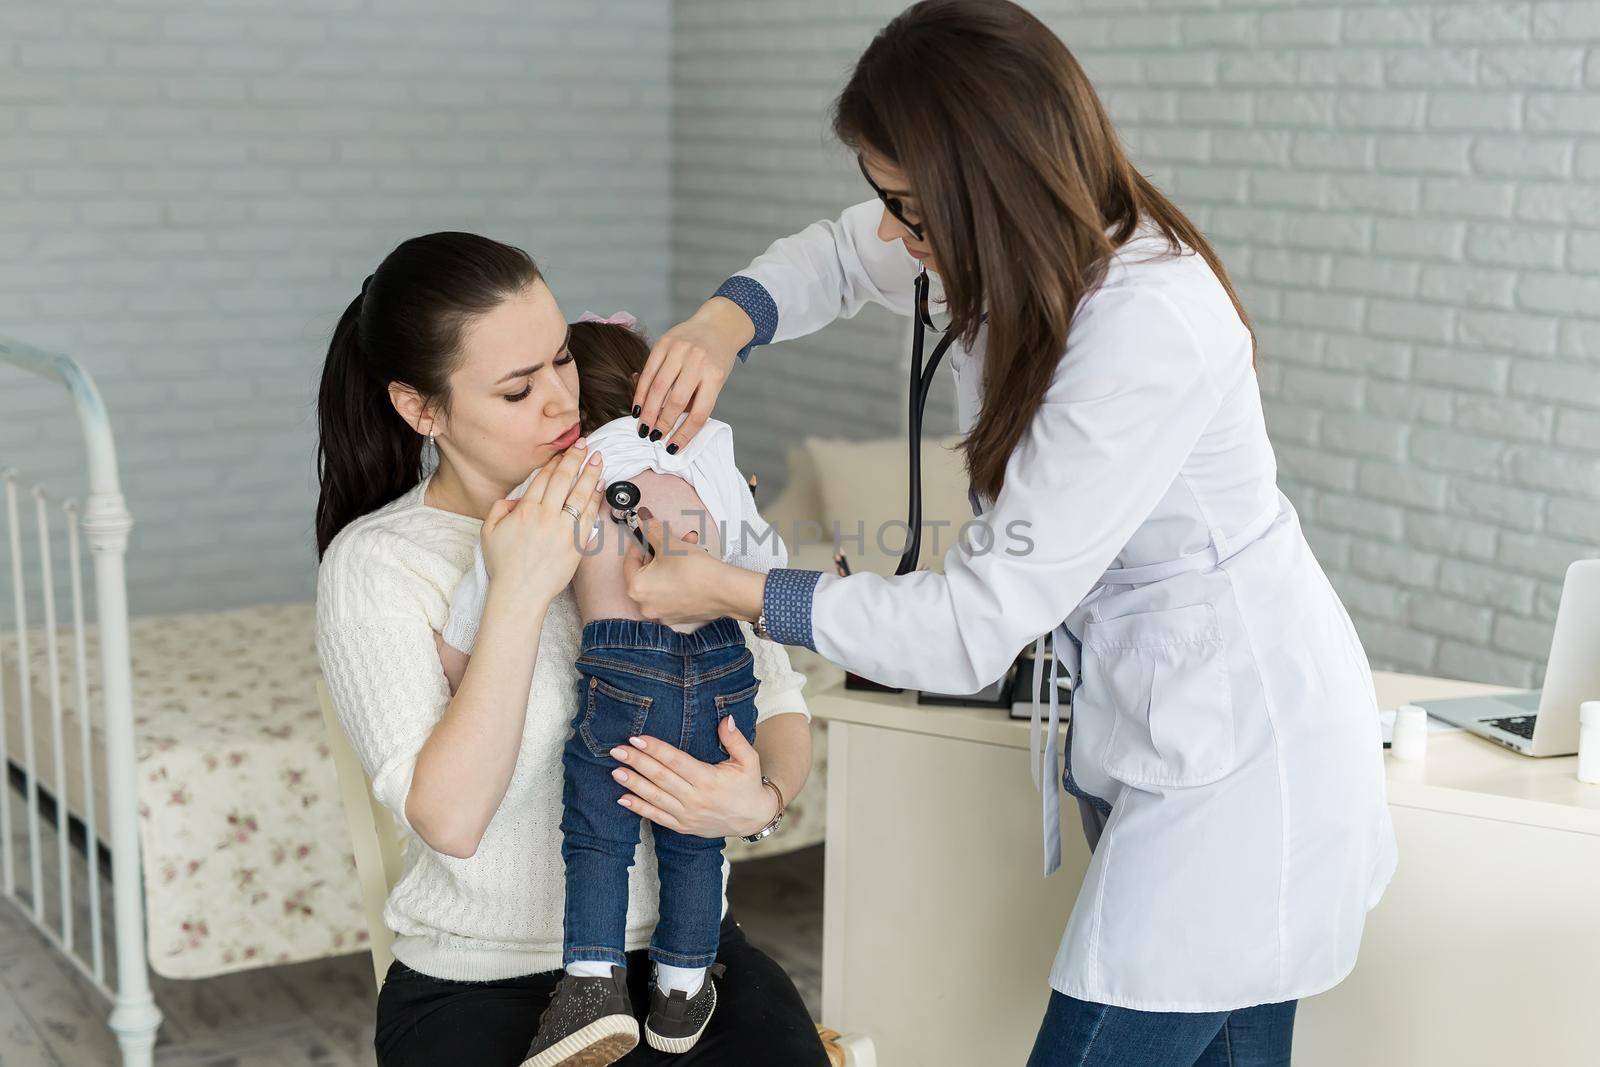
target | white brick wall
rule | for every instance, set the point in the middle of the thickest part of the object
(754, 160)
(191, 192)
(1408, 195)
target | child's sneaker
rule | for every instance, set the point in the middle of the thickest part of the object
(675, 1023)
(589, 1023)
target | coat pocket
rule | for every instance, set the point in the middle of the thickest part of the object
(1164, 675)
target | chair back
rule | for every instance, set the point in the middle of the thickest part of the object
(374, 835)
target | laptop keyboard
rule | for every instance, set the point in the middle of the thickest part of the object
(1521, 725)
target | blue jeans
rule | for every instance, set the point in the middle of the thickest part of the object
(640, 677)
(1080, 1033)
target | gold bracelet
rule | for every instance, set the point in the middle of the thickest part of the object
(782, 804)
(777, 818)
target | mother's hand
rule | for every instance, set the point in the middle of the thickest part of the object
(675, 790)
(688, 366)
(533, 543)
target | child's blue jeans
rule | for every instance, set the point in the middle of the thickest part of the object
(640, 677)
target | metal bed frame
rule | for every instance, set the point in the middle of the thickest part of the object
(104, 522)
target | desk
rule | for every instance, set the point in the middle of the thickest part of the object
(939, 931)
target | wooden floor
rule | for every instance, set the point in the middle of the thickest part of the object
(318, 1013)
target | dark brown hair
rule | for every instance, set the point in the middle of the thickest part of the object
(1022, 185)
(404, 326)
(610, 358)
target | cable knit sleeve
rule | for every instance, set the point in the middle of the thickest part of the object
(375, 641)
(781, 685)
(757, 546)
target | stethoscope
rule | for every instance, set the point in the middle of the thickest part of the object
(921, 382)
(624, 496)
(624, 500)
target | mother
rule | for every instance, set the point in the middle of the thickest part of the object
(456, 340)
(1224, 744)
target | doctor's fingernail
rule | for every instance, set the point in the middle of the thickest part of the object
(646, 513)
(672, 449)
(644, 431)
(636, 410)
(655, 435)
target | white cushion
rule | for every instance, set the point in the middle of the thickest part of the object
(864, 491)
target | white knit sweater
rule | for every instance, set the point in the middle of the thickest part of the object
(383, 589)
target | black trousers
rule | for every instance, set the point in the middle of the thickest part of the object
(434, 1022)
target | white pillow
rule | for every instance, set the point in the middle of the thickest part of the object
(864, 495)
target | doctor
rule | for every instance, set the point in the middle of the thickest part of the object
(1224, 745)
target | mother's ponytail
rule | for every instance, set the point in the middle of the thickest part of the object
(404, 327)
(367, 455)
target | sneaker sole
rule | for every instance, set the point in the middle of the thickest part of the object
(602, 1042)
(681, 1044)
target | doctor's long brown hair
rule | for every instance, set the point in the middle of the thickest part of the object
(1021, 183)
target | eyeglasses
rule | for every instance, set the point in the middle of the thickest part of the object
(896, 208)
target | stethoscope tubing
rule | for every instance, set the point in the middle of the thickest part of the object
(921, 383)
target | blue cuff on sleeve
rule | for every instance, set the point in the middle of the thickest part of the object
(787, 604)
(753, 298)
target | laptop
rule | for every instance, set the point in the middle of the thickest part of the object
(1544, 722)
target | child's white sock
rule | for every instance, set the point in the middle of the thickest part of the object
(589, 969)
(688, 979)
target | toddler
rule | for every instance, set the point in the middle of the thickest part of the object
(637, 676)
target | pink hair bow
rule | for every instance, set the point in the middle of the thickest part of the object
(621, 318)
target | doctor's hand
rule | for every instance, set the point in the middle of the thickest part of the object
(687, 368)
(684, 583)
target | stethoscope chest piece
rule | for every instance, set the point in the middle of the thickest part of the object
(624, 499)
(622, 496)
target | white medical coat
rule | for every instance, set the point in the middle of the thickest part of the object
(1223, 707)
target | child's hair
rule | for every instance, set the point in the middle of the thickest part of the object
(610, 358)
